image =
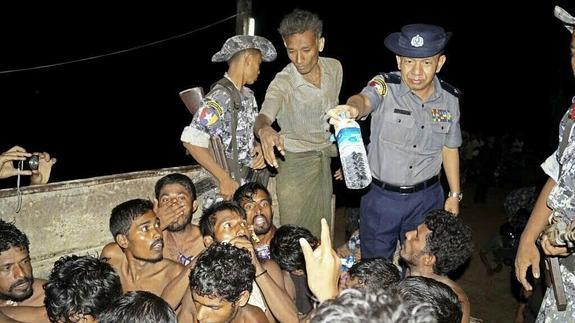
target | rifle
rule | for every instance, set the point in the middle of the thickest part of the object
(560, 235)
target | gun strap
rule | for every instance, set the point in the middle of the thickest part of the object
(237, 105)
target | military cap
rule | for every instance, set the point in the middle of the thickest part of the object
(565, 17)
(417, 40)
(240, 42)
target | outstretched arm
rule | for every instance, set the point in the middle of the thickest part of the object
(269, 139)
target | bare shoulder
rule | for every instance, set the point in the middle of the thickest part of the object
(251, 314)
(111, 253)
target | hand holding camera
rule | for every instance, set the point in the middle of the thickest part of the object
(17, 161)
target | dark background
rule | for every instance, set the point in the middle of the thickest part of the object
(122, 112)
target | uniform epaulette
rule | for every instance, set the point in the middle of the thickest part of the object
(451, 89)
(391, 78)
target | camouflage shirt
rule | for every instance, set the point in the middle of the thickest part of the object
(562, 169)
(214, 118)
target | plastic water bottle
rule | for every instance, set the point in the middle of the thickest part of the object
(352, 154)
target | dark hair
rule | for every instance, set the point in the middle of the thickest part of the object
(285, 248)
(11, 236)
(125, 213)
(361, 305)
(208, 219)
(176, 178)
(416, 290)
(375, 273)
(449, 241)
(298, 21)
(223, 271)
(248, 190)
(80, 285)
(138, 307)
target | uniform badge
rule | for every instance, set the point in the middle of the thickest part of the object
(440, 115)
(417, 41)
(210, 112)
(378, 83)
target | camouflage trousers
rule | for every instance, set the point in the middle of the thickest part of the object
(548, 311)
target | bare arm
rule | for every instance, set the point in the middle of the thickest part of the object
(269, 139)
(527, 252)
(451, 167)
(187, 312)
(273, 289)
(202, 155)
(175, 291)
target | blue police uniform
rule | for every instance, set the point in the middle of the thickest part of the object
(405, 151)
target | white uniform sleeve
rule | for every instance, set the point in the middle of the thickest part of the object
(551, 167)
(195, 137)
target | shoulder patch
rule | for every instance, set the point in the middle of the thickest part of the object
(450, 89)
(392, 78)
(378, 84)
(210, 112)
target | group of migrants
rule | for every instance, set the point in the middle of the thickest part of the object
(236, 266)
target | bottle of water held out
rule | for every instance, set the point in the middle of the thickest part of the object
(352, 154)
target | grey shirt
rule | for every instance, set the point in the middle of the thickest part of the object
(300, 107)
(408, 135)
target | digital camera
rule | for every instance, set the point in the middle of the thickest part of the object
(30, 163)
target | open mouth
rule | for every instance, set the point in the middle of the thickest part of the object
(158, 244)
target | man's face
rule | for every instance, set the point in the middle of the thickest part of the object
(259, 211)
(177, 194)
(214, 310)
(229, 225)
(303, 51)
(145, 238)
(253, 66)
(418, 73)
(414, 245)
(15, 274)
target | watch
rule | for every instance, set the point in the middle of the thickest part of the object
(456, 194)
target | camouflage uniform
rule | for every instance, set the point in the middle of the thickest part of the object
(562, 201)
(214, 118)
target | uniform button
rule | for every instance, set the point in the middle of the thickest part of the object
(441, 127)
(414, 146)
(410, 167)
(422, 127)
(423, 105)
(398, 120)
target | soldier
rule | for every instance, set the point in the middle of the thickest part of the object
(555, 200)
(229, 111)
(414, 130)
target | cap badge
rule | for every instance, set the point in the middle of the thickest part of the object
(417, 41)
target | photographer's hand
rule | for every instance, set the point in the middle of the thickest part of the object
(7, 159)
(42, 175)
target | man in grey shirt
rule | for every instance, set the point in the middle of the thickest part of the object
(299, 97)
(414, 129)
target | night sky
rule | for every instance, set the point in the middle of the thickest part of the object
(123, 112)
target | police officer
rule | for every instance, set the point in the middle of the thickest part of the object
(414, 129)
(556, 202)
(229, 99)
